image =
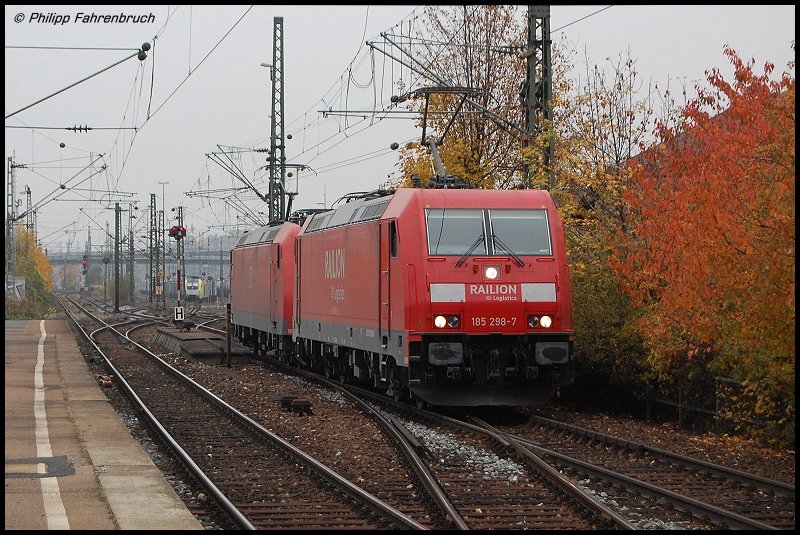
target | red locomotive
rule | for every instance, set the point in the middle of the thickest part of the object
(262, 286)
(453, 297)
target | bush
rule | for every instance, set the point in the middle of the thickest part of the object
(30, 308)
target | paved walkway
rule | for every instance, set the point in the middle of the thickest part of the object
(70, 461)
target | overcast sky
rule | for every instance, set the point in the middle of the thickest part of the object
(202, 86)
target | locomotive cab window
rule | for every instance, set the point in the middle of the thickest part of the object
(393, 238)
(463, 232)
(523, 232)
(455, 231)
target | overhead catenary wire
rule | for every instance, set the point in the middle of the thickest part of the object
(137, 53)
(321, 146)
(44, 201)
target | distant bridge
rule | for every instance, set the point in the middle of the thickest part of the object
(210, 257)
(207, 263)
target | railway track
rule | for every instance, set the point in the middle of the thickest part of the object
(490, 511)
(479, 484)
(731, 498)
(482, 504)
(262, 481)
(482, 490)
(643, 483)
(488, 483)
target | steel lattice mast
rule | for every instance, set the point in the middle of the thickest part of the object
(539, 91)
(277, 153)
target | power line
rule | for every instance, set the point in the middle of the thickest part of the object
(141, 53)
(582, 18)
(74, 128)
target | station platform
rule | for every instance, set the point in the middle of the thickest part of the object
(70, 461)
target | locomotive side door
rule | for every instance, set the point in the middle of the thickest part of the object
(273, 282)
(388, 244)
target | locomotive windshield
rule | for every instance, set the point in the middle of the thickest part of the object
(454, 231)
(520, 232)
(525, 232)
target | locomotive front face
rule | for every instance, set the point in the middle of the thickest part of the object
(490, 274)
(498, 317)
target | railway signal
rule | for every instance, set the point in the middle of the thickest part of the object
(85, 264)
(177, 231)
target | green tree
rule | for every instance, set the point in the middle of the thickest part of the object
(599, 123)
(482, 145)
(33, 264)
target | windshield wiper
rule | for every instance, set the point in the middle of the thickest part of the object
(470, 250)
(513, 255)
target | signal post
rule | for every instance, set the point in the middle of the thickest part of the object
(178, 232)
(85, 270)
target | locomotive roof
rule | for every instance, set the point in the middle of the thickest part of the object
(360, 210)
(266, 234)
(354, 211)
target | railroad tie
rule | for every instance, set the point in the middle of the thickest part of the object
(301, 407)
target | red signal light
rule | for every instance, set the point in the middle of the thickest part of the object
(177, 232)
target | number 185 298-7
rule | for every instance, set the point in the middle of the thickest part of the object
(494, 321)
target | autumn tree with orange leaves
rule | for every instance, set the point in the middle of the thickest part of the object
(710, 253)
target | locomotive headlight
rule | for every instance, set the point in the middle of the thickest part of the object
(491, 272)
(536, 321)
(453, 321)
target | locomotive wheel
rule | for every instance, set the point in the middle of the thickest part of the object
(421, 403)
(328, 371)
(397, 392)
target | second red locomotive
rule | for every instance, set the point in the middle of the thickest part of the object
(262, 287)
(454, 297)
